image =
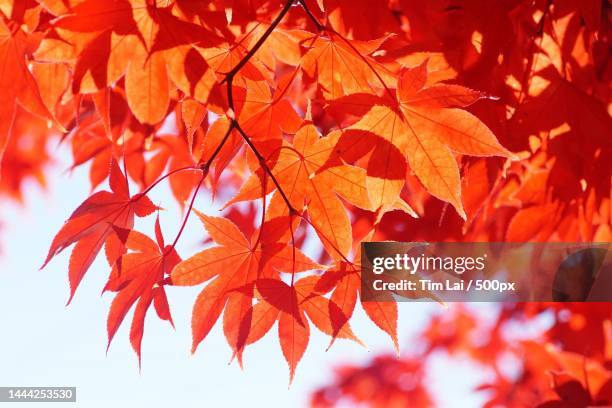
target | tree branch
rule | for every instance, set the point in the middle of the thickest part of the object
(264, 165)
(205, 167)
(230, 100)
(230, 75)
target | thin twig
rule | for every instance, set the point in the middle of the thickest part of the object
(230, 75)
(264, 165)
(165, 176)
(204, 168)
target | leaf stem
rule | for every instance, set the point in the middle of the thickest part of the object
(334, 247)
(292, 251)
(165, 176)
(204, 168)
(195, 194)
(263, 212)
(201, 166)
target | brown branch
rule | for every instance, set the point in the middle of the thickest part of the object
(265, 167)
(234, 125)
(205, 167)
(230, 75)
(230, 100)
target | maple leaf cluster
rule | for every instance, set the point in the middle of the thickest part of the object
(444, 120)
(566, 365)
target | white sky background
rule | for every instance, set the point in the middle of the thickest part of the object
(44, 343)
